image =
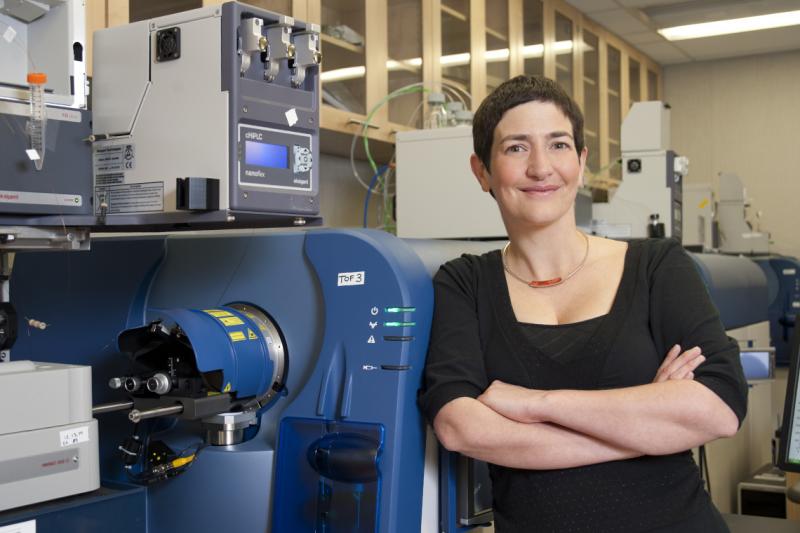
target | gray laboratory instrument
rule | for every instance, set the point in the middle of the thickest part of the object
(48, 438)
(212, 117)
(45, 157)
(649, 200)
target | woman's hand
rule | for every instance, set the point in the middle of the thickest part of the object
(679, 365)
(512, 401)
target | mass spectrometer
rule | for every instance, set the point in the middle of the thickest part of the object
(648, 201)
(246, 381)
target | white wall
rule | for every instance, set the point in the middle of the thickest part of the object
(743, 116)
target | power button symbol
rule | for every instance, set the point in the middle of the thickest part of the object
(374, 311)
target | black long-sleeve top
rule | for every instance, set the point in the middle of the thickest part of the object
(661, 301)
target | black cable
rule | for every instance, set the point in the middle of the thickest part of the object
(704, 472)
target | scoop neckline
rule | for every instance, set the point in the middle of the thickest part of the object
(601, 340)
(510, 308)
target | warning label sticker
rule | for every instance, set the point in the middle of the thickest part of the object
(132, 198)
(219, 313)
(117, 158)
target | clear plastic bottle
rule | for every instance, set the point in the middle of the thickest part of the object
(452, 108)
(38, 120)
(437, 115)
(462, 118)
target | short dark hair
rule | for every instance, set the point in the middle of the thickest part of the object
(516, 91)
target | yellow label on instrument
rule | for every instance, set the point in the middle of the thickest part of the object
(218, 313)
(237, 336)
(251, 335)
(231, 321)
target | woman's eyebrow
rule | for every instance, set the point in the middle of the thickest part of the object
(516, 137)
(526, 137)
(554, 134)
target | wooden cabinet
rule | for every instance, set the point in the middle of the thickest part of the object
(404, 64)
(498, 44)
(464, 47)
(343, 80)
(590, 58)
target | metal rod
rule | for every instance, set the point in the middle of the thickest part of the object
(136, 416)
(110, 407)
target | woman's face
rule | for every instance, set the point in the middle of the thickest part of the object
(535, 170)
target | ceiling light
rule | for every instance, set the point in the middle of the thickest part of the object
(725, 27)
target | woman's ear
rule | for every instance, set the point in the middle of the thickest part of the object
(480, 172)
(582, 157)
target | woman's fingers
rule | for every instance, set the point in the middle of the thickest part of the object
(679, 365)
(672, 354)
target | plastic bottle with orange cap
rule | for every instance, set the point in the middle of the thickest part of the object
(38, 120)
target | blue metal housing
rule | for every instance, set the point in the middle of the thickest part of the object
(232, 343)
(783, 284)
(737, 287)
(354, 309)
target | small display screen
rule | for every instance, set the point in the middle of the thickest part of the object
(758, 363)
(266, 155)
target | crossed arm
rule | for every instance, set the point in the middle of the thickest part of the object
(524, 428)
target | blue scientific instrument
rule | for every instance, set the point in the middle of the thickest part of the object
(783, 284)
(269, 379)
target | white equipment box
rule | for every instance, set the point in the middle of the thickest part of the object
(48, 438)
(438, 197)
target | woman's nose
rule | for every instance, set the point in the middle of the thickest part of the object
(539, 164)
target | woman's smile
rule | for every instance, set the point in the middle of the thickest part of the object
(540, 191)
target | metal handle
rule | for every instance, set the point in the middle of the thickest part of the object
(137, 416)
(110, 407)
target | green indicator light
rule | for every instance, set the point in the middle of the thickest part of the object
(399, 324)
(399, 309)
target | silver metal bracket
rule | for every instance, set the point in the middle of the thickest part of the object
(279, 46)
(252, 41)
(19, 238)
(307, 53)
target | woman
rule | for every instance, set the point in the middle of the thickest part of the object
(559, 360)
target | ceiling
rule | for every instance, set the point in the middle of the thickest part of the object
(636, 21)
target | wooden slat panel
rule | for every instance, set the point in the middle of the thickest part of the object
(516, 64)
(577, 63)
(117, 12)
(377, 48)
(549, 31)
(300, 9)
(432, 44)
(95, 20)
(477, 64)
(624, 84)
(642, 82)
(313, 11)
(603, 112)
